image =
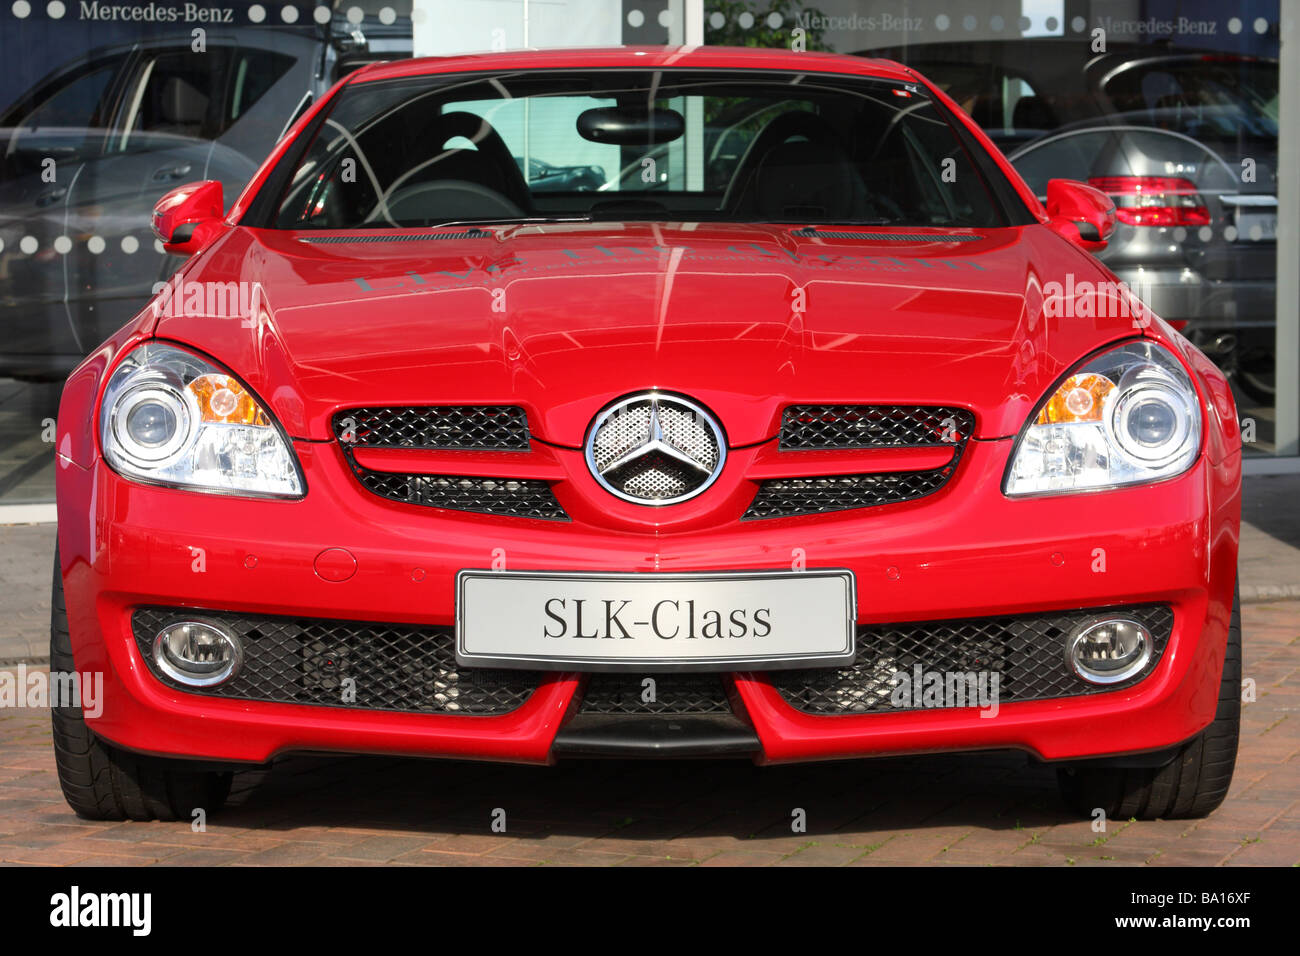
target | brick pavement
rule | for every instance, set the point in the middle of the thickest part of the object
(961, 810)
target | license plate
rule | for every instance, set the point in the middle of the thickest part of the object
(726, 620)
(1254, 226)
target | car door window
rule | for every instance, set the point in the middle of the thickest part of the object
(64, 124)
(78, 103)
(253, 74)
(175, 93)
(197, 97)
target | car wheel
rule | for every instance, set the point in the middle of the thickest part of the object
(1193, 784)
(101, 782)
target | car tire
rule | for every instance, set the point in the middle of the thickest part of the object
(1193, 784)
(102, 782)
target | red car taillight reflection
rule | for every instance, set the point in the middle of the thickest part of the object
(1154, 200)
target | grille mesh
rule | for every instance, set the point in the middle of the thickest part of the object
(395, 667)
(873, 426)
(515, 497)
(458, 427)
(1026, 651)
(813, 427)
(464, 427)
(673, 694)
(788, 497)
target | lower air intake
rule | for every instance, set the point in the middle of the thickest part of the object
(396, 667)
(1026, 652)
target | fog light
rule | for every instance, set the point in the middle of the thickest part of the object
(1108, 651)
(197, 653)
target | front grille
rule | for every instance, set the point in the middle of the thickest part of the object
(822, 427)
(672, 694)
(454, 427)
(874, 426)
(395, 667)
(514, 497)
(1027, 652)
(788, 497)
(462, 427)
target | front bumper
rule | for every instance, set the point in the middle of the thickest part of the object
(965, 551)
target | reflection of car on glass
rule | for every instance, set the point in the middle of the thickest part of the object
(122, 126)
(1186, 144)
(87, 152)
(543, 177)
(788, 466)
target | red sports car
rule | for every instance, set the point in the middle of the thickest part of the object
(808, 435)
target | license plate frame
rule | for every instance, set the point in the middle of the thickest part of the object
(835, 648)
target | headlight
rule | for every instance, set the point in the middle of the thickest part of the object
(170, 417)
(1123, 417)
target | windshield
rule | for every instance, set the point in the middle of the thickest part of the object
(649, 145)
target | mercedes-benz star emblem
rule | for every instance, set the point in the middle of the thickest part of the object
(655, 449)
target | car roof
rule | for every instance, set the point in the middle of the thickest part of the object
(639, 57)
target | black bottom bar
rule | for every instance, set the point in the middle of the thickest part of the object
(699, 735)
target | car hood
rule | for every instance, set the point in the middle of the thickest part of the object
(564, 318)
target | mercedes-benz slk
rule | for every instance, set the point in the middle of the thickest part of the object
(809, 434)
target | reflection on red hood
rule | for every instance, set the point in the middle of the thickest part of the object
(564, 318)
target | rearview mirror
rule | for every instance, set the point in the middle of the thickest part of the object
(189, 217)
(1080, 213)
(630, 127)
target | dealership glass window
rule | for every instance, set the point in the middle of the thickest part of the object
(1174, 109)
(1186, 119)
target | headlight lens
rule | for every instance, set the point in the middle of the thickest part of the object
(1127, 416)
(171, 417)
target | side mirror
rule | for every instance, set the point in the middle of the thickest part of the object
(189, 217)
(1080, 213)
